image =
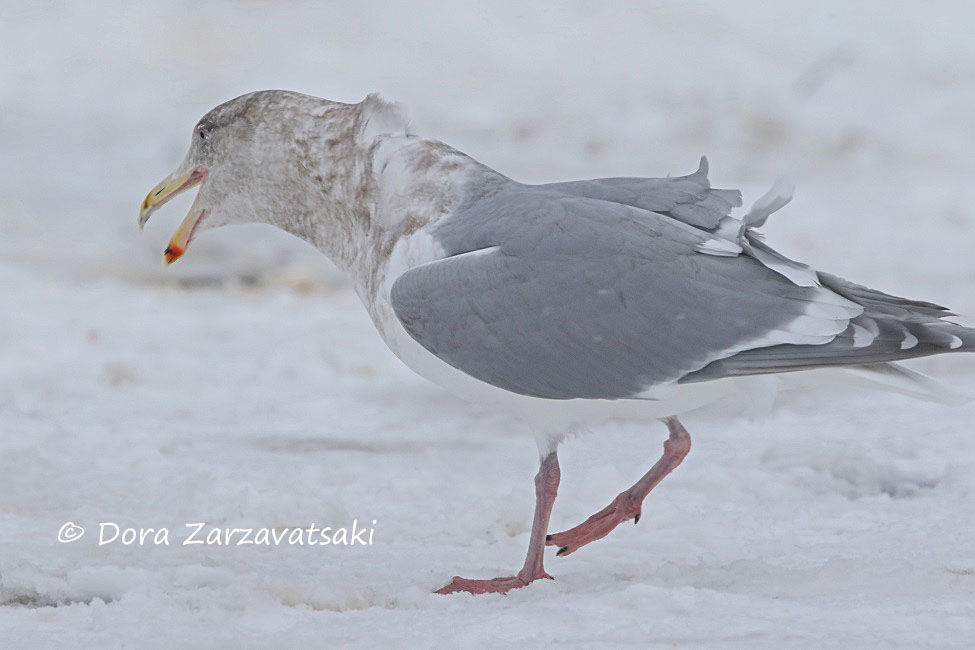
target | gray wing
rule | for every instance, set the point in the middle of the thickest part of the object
(891, 328)
(566, 291)
(690, 198)
(568, 297)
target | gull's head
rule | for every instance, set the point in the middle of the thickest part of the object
(271, 156)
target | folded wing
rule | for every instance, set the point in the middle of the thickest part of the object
(583, 290)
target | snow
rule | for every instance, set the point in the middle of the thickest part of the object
(245, 386)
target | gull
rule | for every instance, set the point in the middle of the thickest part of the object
(568, 305)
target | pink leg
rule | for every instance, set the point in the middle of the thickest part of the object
(546, 487)
(627, 504)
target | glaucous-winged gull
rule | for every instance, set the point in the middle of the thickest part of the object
(568, 304)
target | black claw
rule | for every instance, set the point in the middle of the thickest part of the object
(564, 549)
(636, 519)
(548, 538)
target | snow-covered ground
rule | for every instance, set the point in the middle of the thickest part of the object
(245, 386)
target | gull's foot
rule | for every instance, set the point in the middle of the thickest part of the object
(624, 507)
(492, 586)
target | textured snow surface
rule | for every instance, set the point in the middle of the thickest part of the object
(245, 386)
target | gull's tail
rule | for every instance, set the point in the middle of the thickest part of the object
(889, 329)
(898, 379)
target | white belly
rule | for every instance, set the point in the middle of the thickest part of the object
(553, 419)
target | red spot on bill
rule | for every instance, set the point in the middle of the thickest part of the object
(172, 253)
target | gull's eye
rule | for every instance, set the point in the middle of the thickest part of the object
(204, 133)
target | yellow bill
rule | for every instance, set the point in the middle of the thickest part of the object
(160, 194)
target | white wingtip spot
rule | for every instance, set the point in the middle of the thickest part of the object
(955, 342)
(909, 341)
(719, 247)
(862, 337)
(800, 274)
(851, 309)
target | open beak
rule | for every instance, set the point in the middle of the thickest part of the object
(175, 184)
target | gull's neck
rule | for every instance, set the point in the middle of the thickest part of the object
(417, 183)
(371, 197)
(368, 183)
(339, 188)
